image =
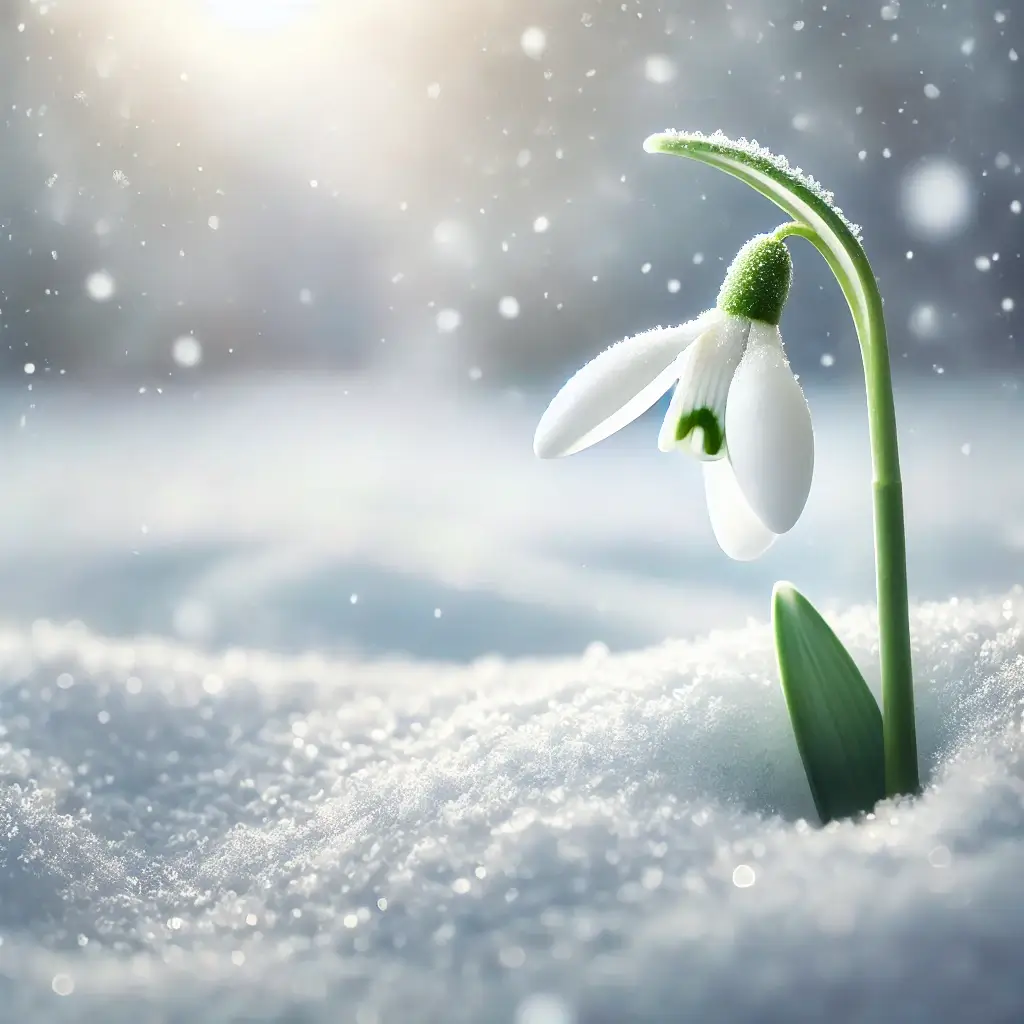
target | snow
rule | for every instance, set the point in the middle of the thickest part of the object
(534, 42)
(219, 838)
(660, 69)
(448, 320)
(924, 321)
(508, 307)
(937, 198)
(99, 286)
(187, 351)
(227, 826)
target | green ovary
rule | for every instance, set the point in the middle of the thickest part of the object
(757, 283)
(709, 425)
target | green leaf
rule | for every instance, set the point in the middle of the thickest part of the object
(835, 716)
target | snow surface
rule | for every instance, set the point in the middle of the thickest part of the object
(212, 838)
(204, 828)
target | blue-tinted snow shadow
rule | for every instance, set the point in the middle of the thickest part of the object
(125, 594)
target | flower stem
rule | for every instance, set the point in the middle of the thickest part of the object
(900, 731)
(899, 728)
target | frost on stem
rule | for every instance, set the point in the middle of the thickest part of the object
(756, 156)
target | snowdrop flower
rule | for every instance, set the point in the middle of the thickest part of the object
(736, 407)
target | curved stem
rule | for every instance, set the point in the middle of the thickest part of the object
(821, 223)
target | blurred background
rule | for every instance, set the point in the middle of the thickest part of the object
(458, 188)
(279, 275)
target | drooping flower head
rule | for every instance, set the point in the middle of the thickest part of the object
(736, 407)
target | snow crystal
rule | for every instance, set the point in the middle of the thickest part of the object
(541, 224)
(660, 69)
(448, 320)
(508, 307)
(62, 985)
(534, 42)
(924, 321)
(99, 286)
(932, 91)
(187, 351)
(743, 877)
(937, 198)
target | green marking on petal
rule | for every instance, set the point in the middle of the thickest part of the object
(706, 420)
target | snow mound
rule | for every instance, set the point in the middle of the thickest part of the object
(255, 837)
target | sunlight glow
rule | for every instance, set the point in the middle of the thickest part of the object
(289, 83)
(259, 15)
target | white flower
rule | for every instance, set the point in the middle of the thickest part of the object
(737, 408)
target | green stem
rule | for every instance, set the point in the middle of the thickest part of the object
(836, 239)
(899, 728)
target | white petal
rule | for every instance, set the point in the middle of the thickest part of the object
(697, 409)
(740, 534)
(768, 432)
(613, 389)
